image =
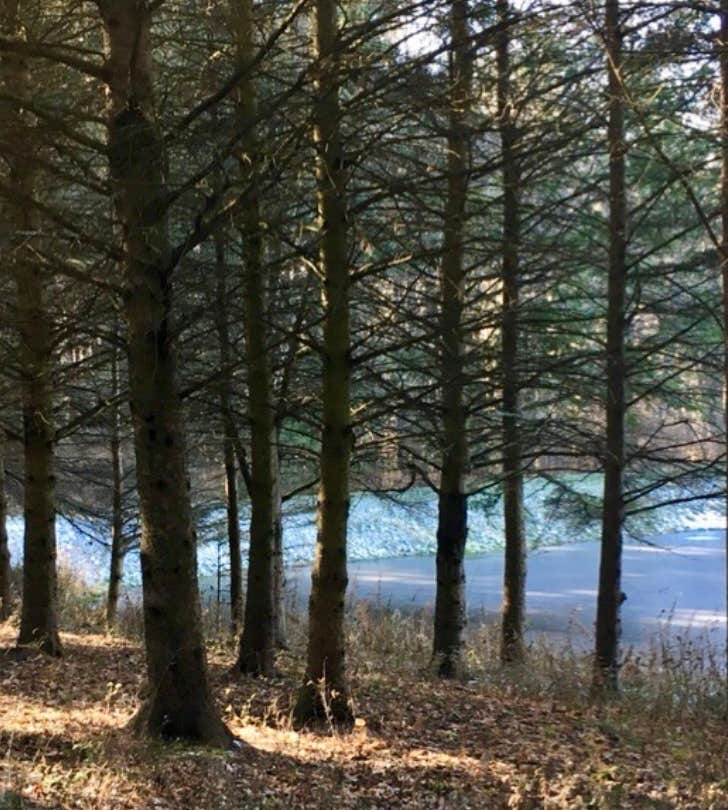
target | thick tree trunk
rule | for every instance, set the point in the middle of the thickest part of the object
(6, 606)
(179, 704)
(514, 579)
(116, 565)
(257, 643)
(325, 691)
(228, 443)
(38, 618)
(452, 529)
(723, 254)
(610, 570)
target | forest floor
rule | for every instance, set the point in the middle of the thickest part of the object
(519, 739)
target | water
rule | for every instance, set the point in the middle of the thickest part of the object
(394, 526)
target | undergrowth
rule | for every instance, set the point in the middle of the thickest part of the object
(677, 675)
(527, 736)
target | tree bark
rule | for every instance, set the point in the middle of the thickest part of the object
(116, 565)
(723, 253)
(6, 606)
(452, 526)
(228, 443)
(179, 704)
(610, 570)
(325, 691)
(39, 612)
(258, 640)
(514, 578)
(279, 571)
(38, 618)
(233, 532)
(256, 655)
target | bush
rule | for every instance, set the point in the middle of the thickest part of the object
(80, 607)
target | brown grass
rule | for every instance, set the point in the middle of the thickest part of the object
(527, 738)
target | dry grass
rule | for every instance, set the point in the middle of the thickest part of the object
(518, 739)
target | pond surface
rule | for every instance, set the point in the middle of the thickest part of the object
(675, 583)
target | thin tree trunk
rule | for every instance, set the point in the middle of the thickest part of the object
(228, 443)
(452, 526)
(233, 538)
(279, 571)
(325, 691)
(116, 566)
(610, 570)
(179, 704)
(289, 362)
(39, 613)
(723, 256)
(257, 643)
(258, 640)
(279, 579)
(514, 579)
(6, 607)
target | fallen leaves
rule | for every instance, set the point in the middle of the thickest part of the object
(417, 743)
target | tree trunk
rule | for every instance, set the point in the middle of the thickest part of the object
(116, 566)
(279, 571)
(452, 526)
(233, 532)
(325, 692)
(257, 643)
(228, 443)
(6, 606)
(610, 570)
(723, 254)
(39, 613)
(179, 704)
(514, 579)
(38, 618)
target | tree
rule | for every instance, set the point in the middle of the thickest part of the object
(116, 561)
(325, 691)
(230, 437)
(453, 221)
(450, 611)
(514, 579)
(723, 247)
(258, 641)
(38, 618)
(610, 569)
(180, 703)
(6, 606)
